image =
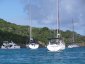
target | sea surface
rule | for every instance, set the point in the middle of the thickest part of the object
(42, 56)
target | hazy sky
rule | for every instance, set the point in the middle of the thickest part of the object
(44, 13)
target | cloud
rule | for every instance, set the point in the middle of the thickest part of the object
(44, 12)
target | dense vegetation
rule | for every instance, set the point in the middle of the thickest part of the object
(20, 34)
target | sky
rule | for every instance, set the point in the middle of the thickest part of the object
(43, 13)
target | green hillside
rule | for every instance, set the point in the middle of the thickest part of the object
(20, 34)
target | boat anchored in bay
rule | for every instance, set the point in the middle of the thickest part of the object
(57, 43)
(32, 43)
(9, 45)
(73, 44)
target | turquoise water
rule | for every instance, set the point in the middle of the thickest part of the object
(42, 56)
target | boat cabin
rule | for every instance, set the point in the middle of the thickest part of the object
(55, 40)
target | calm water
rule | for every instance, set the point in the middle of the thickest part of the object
(42, 56)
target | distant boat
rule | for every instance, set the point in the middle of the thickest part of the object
(73, 44)
(32, 44)
(9, 45)
(57, 43)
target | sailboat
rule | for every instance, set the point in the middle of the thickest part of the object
(32, 43)
(57, 43)
(73, 44)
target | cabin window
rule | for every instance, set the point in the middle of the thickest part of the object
(10, 46)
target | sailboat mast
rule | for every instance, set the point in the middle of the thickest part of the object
(73, 30)
(30, 20)
(57, 18)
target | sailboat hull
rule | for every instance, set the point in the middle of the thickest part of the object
(55, 47)
(33, 46)
(73, 46)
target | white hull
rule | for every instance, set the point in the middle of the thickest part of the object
(13, 47)
(73, 46)
(55, 47)
(2, 47)
(10, 46)
(33, 46)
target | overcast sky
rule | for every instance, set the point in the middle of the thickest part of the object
(44, 13)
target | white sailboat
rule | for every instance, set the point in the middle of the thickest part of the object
(57, 43)
(32, 43)
(73, 44)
